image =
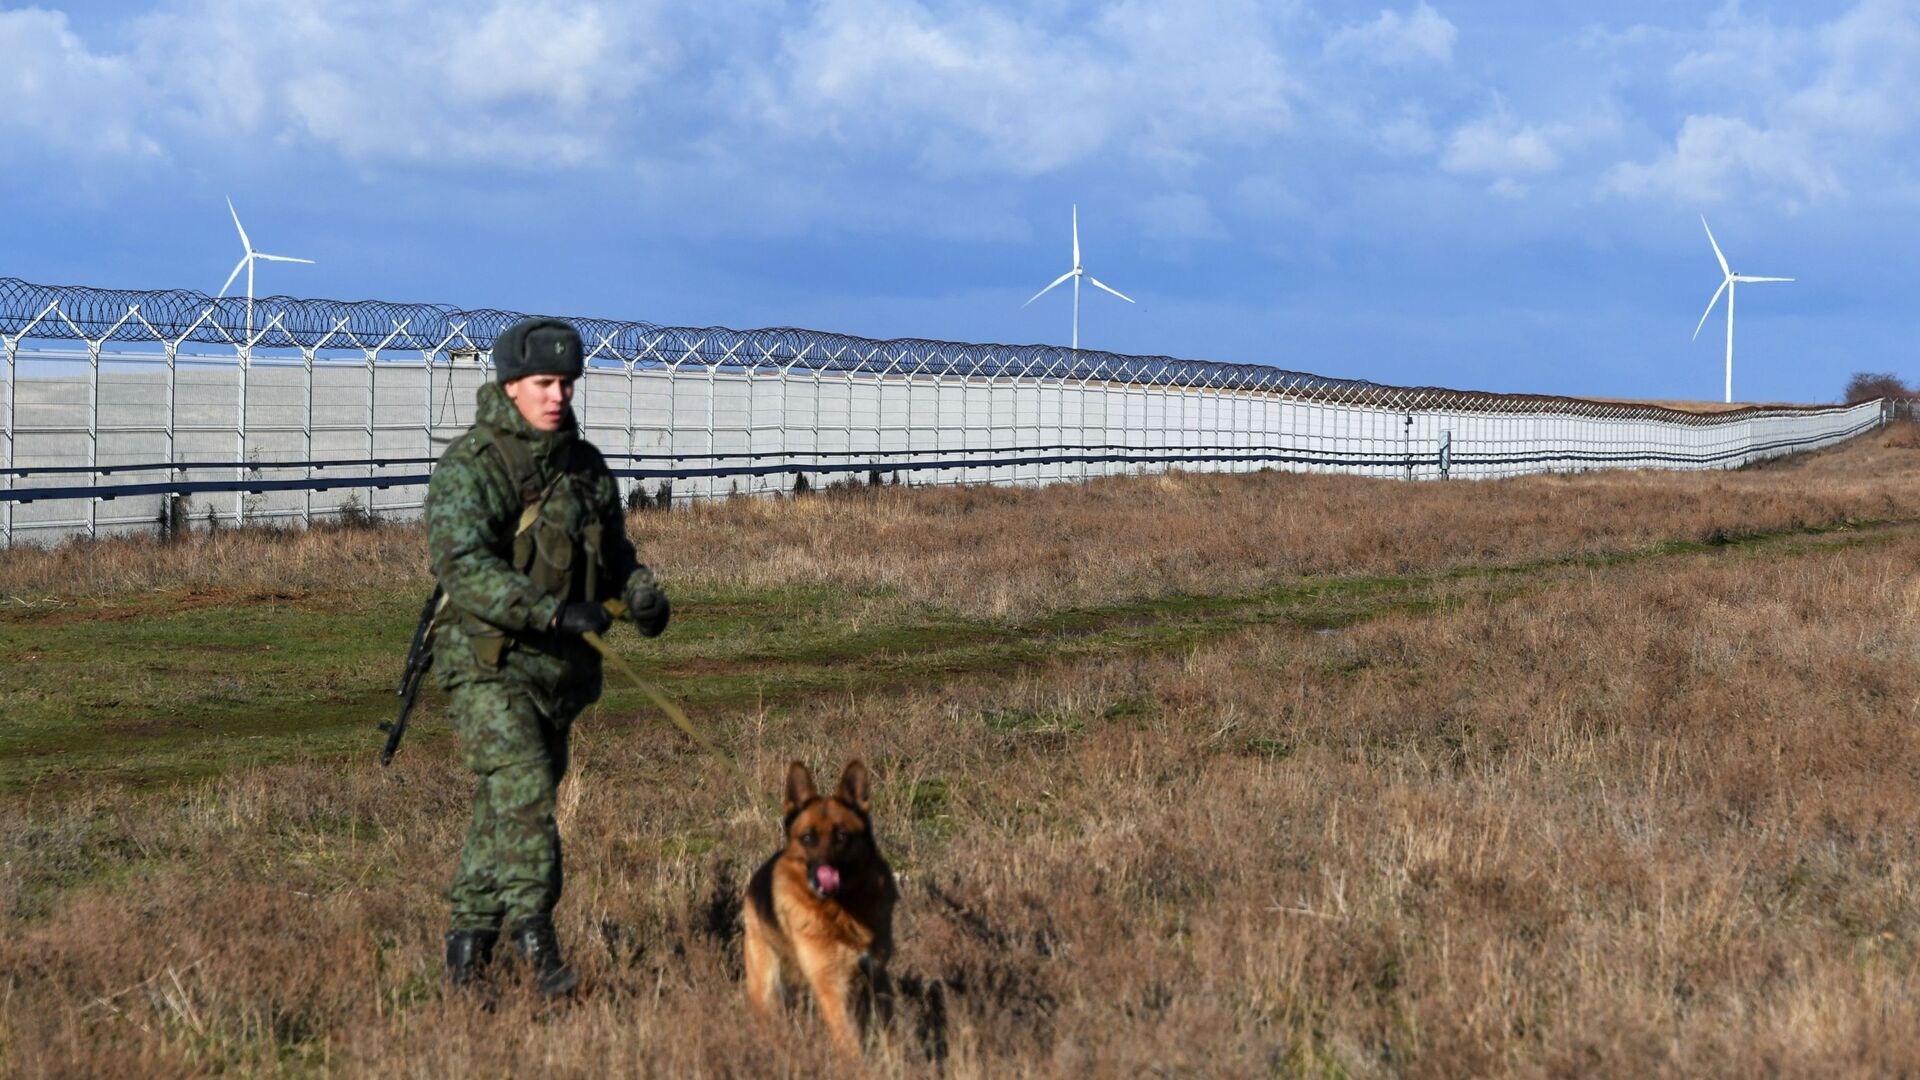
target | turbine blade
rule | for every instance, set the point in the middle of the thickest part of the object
(1049, 288)
(1724, 268)
(280, 258)
(237, 267)
(1076, 236)
(244, 242)
(1097, 283)
(1743, 277)
(1710, 303)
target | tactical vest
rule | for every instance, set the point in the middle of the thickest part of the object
(543, 547)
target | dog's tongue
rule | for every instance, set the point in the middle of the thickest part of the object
(826, 878)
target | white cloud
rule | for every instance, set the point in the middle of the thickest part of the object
(56, 91)
(977, 88)
(1423, 36)
(1738, 53)
(1796, 113)
(1790, 115)
(1869, 83)
(1713, 154)
(1499, 145)
(871, 70)
(1504, 150)
(519, 84)
(564, 56)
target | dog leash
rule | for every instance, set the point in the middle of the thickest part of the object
(618, 609)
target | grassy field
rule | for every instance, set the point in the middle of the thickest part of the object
(1183, 775)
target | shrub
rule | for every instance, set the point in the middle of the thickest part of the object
(1868, 385)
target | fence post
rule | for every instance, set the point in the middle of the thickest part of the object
(1082, 396)
(906, 418)
(306, 436)
(713, 449)
(426, 418)
(784, 373)
(819, 391)
(173, 453)
(94, 346)
(993, 424)
(673, 419)
(880, 415)
(632, 481)
(1165, 382)
(1060, 424)
(373, 386)
(12, 345)
(240, 423)
(13, 390)
(399, 328)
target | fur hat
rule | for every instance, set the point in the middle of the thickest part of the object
(537, 346)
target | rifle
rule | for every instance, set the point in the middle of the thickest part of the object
(419, 659)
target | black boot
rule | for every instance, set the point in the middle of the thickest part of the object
(467, 954)
(534, 939)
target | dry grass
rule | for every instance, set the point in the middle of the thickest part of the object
(1012, 552)
(1653, 818)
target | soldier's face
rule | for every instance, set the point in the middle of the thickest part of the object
(542, 399)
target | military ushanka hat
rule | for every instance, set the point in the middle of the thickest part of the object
(537, 346)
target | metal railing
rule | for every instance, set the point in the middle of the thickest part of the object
(120, 404)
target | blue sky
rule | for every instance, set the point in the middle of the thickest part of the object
(1498, 196)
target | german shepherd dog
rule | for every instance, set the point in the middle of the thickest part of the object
(821, 909)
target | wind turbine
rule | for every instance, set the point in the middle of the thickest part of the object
(1076, 274)
(247, 261)
(1726, 286)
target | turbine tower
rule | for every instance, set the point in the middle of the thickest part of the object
(1726, 286)
(1076, 274)
(247, 261)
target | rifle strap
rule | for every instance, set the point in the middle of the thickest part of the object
(515, 458)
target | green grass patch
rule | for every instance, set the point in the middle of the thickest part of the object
(1027, 722)
(158, 688)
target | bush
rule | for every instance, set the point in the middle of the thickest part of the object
(354, 514)
(1868, 385)
(173, 517)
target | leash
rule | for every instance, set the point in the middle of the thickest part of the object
(618, 609)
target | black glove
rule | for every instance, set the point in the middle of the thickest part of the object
(582, 619)
(648, 608)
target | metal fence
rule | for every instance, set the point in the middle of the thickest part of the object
(123, 408)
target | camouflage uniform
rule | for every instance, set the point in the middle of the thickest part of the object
(515, 684)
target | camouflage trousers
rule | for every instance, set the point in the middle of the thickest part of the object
(516, 747)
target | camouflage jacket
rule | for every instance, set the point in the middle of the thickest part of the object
(505, 571)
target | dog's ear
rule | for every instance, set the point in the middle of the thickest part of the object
(800, 789)
(856, 787)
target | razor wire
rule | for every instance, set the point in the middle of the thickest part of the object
(1020, 413)
(174, 317)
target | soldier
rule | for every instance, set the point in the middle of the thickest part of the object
(527, 536)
